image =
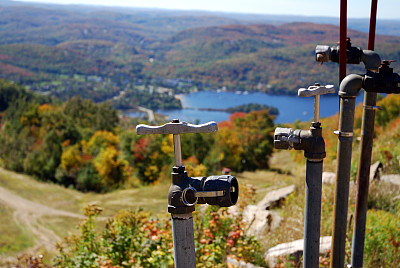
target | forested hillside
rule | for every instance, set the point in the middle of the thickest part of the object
(273, 59)
(131, 58)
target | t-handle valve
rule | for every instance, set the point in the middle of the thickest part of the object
(176, 128)
(316, 90)
(186, 191)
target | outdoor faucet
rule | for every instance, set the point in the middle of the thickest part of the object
(185, 191)
(383, 81)
(354, 55)
(312, 143)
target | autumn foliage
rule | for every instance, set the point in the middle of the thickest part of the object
(84, 145)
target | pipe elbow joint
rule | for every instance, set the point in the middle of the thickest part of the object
(180, 182)
(350, 86)
(312, 143)
(371, 59)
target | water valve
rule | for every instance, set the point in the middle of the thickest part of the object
(285, 138)
(354, 55)
(221, 190)
(316, 90)
(383, 81)
(187, 191)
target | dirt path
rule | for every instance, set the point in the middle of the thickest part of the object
(27, 214)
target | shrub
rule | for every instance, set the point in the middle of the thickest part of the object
(382, 240)
(132, 238)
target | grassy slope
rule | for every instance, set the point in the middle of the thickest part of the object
(152, 198)
(16, 238)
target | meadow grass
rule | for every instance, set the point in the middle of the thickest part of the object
(284, 171)
(14, 237)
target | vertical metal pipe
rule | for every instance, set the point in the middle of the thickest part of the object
(367, 135)
(312, 214)
(343, 43)
(343, 156)
(183, 237)
(372, 25)
(363, 181)
(345, 142)
(316, 108)
(177, 150)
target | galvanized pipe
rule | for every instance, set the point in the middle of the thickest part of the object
(177, 150)
(343, 36)
(312, 213)
(367, 135)
(316, 107)
(360, 215)
(349, 89)
(183, 238)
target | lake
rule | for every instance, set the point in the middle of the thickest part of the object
(290, 108)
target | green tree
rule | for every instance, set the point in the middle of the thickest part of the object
(43, 163)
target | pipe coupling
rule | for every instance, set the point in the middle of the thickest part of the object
(310, 141)
(186, 191)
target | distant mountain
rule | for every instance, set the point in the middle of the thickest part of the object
(98, 52)
(167, 19)
(275, 59)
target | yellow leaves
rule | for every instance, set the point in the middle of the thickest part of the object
(45, 107)
(167, 146)
(152, 172)
(28, 120)
(196, 171)
(155, 155)
(230, 140)
(71, 158)
(106, 161)
(103, 138)
(193, 168)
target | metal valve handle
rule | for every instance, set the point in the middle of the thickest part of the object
(316, 90)
(176, 128)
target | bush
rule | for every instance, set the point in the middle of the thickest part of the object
(382, 240)
(133, 238)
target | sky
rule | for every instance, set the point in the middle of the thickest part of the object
(387, 9)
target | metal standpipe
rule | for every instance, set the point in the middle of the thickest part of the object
(383, 81)
(367, 135)
(183, 238)
(313, 145)
(312, 212)
(349, 89)
(182, 224)
(360, 214)
(185, 191)
(379, 78)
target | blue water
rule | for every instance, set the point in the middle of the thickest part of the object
(290, 108)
